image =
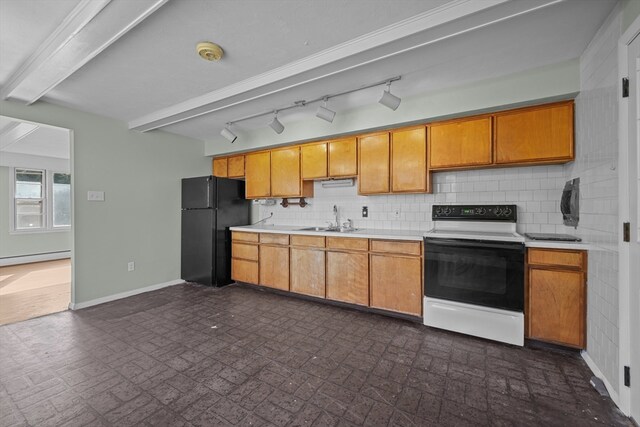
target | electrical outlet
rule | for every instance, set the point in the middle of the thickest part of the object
(396, 213)
(365, 212)
(131, 266)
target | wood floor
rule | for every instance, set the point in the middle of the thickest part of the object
(33, 290)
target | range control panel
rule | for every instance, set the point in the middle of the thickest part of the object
(506, 213)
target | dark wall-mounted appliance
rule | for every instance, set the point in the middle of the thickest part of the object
(570, 203)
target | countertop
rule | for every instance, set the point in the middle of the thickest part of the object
(364, 233)
(553, 244)
(372, 233)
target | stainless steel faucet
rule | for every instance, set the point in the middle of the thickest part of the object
(335, 213)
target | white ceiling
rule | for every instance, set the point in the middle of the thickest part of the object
(280, 51)
(32, 139)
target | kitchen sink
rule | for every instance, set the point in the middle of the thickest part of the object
(316, 229)
(330, 229)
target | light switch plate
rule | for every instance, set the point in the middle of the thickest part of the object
(95, 196)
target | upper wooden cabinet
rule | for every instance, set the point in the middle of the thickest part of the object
(541, 134)
(343, 157)
(409, 161)
(258, 175)
(220, 168)
(460, 143)
(286, 178)
(235, 167)
(373, 164)
(314, 161)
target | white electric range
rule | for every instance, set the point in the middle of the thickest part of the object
(474, 272)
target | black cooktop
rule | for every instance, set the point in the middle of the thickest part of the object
(553, 237)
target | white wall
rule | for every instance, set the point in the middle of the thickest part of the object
(597, 166)
(12, 244)
(140, 217)
(535, 189)
(553, 81)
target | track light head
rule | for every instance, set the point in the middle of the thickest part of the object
(275, 124)
(389, 100)
(324, 113)
(226, 132)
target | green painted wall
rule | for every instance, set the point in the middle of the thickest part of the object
(630, 11)
(558, 80)
(12, 245)
(140, 217)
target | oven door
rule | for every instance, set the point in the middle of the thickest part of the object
(479, 272)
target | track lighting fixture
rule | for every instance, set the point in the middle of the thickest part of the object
(389, 100)
(226, 132)
(324, 113)
(275, 123)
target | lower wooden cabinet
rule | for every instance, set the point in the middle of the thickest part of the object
(274, 267)
(348, 277)
(396, 283)
(556, 297)
(308, 271)
(244, 271)
(383, 274)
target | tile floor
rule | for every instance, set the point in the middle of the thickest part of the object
(190, 355)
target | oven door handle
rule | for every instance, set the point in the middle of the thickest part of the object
(472, 244)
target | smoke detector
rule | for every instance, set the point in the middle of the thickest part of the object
(209, 51)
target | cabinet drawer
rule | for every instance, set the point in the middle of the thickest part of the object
(347, 243)
(396, 247)
(244, 237)
(274, 239)
(248, 252)
(244, 271)
(310, 241)
(556, 257)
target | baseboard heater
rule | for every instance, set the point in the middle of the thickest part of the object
(26, 259)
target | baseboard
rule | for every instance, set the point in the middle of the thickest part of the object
(27, 259)
(598, 373)
(109, 298)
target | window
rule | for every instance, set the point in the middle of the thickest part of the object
(42, 200)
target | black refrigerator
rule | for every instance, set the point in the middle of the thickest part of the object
(210, 206)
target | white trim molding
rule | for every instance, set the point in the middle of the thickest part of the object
(114, 297)
(598, 373)
(27, 259)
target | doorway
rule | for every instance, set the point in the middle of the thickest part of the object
(35, 219)
(629, 54)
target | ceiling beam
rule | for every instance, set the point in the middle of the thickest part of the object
(15, 132)
(233, 94)
(90, 28)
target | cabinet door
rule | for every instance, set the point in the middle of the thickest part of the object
(556, 306)
(409, 160)
(220, 168)
(235, 167)
(535, 135)
(459, 144)
(314, 161)
(343, 157)
(274, 267)
(285, 172)
(396, 284)
(308, 272)
(373, 170)
(258, 175)
(243, 270)
(348, 277)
